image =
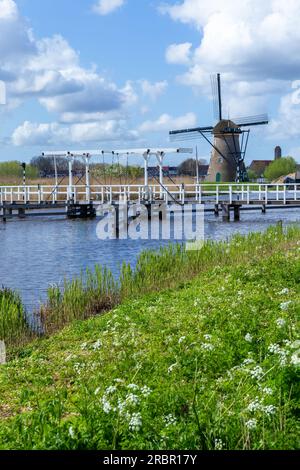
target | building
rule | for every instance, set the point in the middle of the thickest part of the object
(278, 153)
(259, 167)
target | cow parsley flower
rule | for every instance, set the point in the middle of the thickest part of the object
(269, 409)
(251, 424)
(111, 390)
(136, 422)
(97, 345)
(280, 322)
(207, 347)
(146, 391)
(284, 291)
(170, 420)
(132, 399)
(254, 405)
(133, 387)
(267, 391)
(256, 373)
(107, 408)
(285, 305)
(219, 444)
(207, 337)
(295, 359)
(181, 340)
(71, 432)
(248, 338)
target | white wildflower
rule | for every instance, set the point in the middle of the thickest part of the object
(146, 391)
(219, 444)
(83, 346)
(254, 405)
(267, 391)
(295, 359)
(121, 406)
(97, 345)
(133, 387)
(251, 424)
(207, 347)
(280, 322)
(132, 399)
(119, 381)
(71, 432)
(285, 305)
(256, 373)
(207, 337)
(170, 420)
(135, 423)
(97, 391)
(248, 338)
(107, 408)
(181, 339)
(284, 291)
(247, 362)
(110, 390)
(269, 409)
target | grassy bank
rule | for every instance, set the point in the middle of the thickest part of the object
(210, 363)
(95, 292)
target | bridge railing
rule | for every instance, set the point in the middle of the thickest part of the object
(210, 193)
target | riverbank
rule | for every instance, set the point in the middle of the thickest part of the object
(210, 363)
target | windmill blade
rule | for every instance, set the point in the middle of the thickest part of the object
(208, 129)
(214, 89)
(185, 137)
(260, 120)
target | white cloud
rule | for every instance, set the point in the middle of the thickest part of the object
(48, 134)
(49, 70)
(104, 7)
(254, 44)
(166, 122)
(8, 10)
(153, 90)
(179, 53)
(287, 124)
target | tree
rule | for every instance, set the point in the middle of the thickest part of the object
(251, 175)
(281, 167)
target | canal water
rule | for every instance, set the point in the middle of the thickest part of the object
(36, 253)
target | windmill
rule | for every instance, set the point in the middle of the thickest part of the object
(230, 140)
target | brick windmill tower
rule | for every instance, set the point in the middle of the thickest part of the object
(230, 140)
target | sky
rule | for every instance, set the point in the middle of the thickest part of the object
(116, 74)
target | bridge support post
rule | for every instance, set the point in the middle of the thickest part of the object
(216, 210)
(21, 213)
(264, 209)
(237, 214)
(226, 212)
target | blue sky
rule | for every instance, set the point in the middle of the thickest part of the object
(110, 74)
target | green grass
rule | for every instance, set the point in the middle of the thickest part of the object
(14, 330)
(212, 362)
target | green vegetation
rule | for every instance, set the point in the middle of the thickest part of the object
(281, 167)
(210, 363)
(14, 170)
(13, 328)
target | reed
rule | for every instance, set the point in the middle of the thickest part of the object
(14, 329)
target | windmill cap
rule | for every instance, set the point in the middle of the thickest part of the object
(224, 125)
